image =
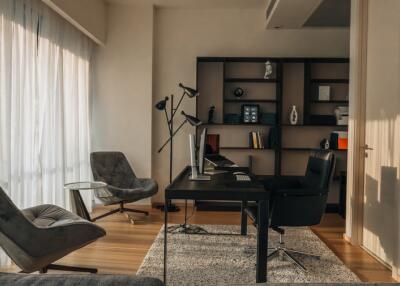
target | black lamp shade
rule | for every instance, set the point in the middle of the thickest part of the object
(191, 92)
(194, 121)
(162, 104)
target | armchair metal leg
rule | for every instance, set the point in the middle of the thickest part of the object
(106, 214)
(70, 268)
(134, 211)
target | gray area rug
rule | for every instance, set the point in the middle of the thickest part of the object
(229, 259)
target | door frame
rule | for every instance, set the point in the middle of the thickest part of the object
(357, 109)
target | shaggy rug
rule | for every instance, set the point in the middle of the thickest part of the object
(226, 258)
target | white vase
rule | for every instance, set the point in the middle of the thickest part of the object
(294, 115)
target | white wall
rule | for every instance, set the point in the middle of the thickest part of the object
(87, 15)
(181, 35)
(122, 99)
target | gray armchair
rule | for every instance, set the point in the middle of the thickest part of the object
(36, 237)
(123, 186)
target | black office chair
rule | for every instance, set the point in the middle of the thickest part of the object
(122, 184)
(298, 202)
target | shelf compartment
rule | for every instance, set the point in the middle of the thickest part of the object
(330, 80)
(260, 80)
(246, 148)
(250, 100)
(330, 101)
(311, 149)
(238, 124)
(313, 125)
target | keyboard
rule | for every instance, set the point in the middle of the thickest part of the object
(243, 178)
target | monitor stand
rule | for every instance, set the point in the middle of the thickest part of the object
(195, 176)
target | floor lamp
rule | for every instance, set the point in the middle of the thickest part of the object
(169, 116)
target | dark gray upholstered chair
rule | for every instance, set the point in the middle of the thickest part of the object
(298, 202)
(122, 184)
(36, 237)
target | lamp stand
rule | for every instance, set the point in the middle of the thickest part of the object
(170, 206)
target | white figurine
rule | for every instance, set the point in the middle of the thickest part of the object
(293, 115)
(268, 70)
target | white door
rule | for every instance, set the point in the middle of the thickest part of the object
(381, 185)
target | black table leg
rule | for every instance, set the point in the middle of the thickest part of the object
(262, 242)
(165, 241)
(80, 207)
(243, 226)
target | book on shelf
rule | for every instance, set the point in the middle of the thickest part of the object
(256, 140)
(212, 142)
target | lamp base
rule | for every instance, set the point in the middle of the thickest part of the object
(171, 208)
(187, 229)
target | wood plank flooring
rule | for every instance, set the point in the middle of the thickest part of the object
(125, 246)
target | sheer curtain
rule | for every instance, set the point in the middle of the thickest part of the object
(44, 105)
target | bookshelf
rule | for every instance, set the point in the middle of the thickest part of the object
(294, 81)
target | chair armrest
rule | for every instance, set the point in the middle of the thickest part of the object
(113, 188)
(300, 192)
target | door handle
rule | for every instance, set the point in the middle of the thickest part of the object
(366, 147)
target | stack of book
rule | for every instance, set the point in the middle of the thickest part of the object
(256, 140)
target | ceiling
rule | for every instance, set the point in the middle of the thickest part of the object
(223, 4)
(331, 13)
(290, 14)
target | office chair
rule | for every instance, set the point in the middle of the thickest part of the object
(36, 237)
(298, 202)
(122, 184)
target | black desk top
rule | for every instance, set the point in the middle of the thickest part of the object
(221, 187)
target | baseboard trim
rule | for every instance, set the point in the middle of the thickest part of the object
(385, 264)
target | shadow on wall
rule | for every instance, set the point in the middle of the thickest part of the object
(378, 197)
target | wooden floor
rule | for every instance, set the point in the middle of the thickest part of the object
(125, 245)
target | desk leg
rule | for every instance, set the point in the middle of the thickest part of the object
(79, 205)
(165, 241)
(243, 227)
(262, 242)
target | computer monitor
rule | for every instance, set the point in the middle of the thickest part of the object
(202, 150)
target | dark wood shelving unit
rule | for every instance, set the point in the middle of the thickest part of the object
(294, 81)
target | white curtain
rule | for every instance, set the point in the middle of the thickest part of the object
(44, 105)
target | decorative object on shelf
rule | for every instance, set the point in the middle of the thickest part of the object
(272, 138)
(212, 142)
(321, 119)
(232, 118)
(324, 93)
(339, 140)
(342, 115)
(238, 92)
(250, 113)
(211, 111)
(324, 144)
(268, 118)
(169, 117)
(268, 70)
(294, 116)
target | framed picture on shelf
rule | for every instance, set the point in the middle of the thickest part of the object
(250, 113)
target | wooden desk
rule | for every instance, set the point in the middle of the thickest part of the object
(225, 187)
